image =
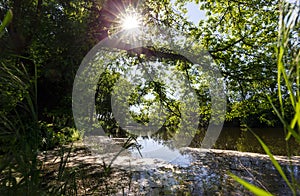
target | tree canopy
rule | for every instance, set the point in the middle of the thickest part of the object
(50, 38)
(254, 45)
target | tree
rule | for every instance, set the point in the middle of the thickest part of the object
(50, 36)
(240, 36)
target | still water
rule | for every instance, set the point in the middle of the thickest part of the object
(151, 148)
(244, 141)
(231, 138)
(208, 169)
(202, 172)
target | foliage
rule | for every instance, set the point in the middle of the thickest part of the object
(288, 54)
(51, 37)
(240, 36)
(43, 42)
(21, 133)
(53, 136)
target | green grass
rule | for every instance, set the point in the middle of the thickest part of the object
(288, 77)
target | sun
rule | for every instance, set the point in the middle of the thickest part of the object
(130, 22)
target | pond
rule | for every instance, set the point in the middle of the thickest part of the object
(231, 138)
(159, 168)
(164, 170)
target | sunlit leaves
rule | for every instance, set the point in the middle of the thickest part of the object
(240, 36)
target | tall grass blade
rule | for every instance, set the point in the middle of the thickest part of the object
(291, 131)
(274, 162)
(7, 19)
(251, 187)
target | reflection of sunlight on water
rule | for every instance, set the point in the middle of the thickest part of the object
(150, 148)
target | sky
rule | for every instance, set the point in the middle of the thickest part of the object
(194, 12)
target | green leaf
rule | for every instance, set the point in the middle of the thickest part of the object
(293, 133)
(7, 19)
(274, 162)
(289, 128)
(254, 189)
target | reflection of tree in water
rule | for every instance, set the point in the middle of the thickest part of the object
(199, 136)
(107, 120)
(228, 138)
(240, 144)
(272, 137)
(172, 125)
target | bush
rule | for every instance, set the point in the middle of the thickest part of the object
(53, 136)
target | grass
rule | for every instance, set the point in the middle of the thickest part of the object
(20, 136)
(23, 171)
(7, 19)
(288, 68)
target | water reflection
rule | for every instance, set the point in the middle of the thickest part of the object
(158, 149)
(244, 141)
(231, 138)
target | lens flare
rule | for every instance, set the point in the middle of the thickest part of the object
(130, 22)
